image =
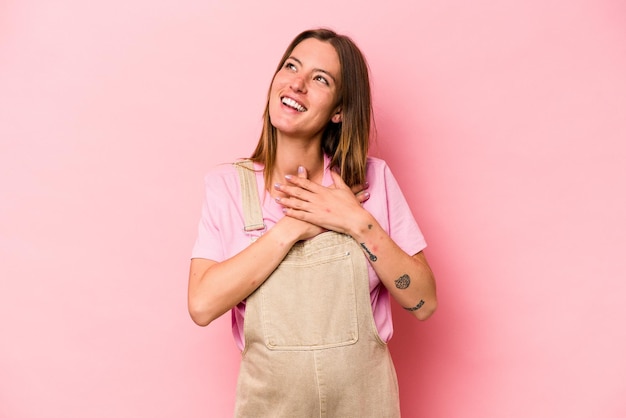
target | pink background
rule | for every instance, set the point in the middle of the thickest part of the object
(504, 122)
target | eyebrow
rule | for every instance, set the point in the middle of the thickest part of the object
(314, 69)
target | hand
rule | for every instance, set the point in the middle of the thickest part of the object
(334, 208)
(360, 191)
(304, 230)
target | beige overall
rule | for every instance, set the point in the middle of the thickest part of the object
(311, 344)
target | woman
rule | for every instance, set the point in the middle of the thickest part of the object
(292, 242)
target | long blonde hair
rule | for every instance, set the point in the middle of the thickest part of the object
(346, 142)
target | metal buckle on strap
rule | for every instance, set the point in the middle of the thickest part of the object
(255, 232)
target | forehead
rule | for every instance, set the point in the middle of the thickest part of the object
(319, 55)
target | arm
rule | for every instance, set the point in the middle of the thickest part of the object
(214, 288)
(409, 279)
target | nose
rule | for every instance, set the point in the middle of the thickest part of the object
(298, 84)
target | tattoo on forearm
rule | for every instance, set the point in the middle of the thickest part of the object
(403, 281)
(369, 253)
(416, 307)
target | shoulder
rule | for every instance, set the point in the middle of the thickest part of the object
(376, 162)
(376, 165)
(380, 175)
(223, 170)
(224, 173)
(221, 179)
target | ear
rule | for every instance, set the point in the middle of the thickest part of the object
(337, 117)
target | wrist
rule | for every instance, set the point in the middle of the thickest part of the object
(362, 225)
(283, 235)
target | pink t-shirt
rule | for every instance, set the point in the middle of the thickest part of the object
(221, 234)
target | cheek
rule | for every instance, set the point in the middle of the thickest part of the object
(274, 88)
(278, 82)
(272, 109)
(328, 104)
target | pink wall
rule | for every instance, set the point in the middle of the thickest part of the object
(504, 122)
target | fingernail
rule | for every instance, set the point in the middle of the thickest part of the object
(300, 169)
(277, 199)
(366, 185)
(288, 176)
(277, 186)
(367, 195)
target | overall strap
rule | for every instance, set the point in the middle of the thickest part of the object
(253, 216)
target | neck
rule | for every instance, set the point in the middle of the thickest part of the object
(291, 154)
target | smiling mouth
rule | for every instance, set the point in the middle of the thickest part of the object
(287, 101)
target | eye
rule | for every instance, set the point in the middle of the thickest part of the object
(321, 79)
(290, 66)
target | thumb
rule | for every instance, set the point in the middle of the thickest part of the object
(302, 173)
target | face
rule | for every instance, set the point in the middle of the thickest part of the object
(303, 95)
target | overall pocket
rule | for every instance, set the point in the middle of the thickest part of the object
(309, 302)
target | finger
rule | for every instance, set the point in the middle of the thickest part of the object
(302, 182)
(302, 173)
(358, 188)
(296, 191)
(291, 203)
(362, 197)
(338, 181)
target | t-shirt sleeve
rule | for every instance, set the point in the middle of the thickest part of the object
(208, 243)
(403, 227)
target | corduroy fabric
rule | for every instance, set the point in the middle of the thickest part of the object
(312, 348)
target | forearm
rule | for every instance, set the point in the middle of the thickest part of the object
(218, 288)
(408, 278)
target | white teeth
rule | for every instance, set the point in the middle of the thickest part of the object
(292, 103)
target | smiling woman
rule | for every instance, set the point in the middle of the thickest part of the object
(306, 241)
(303, 96)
